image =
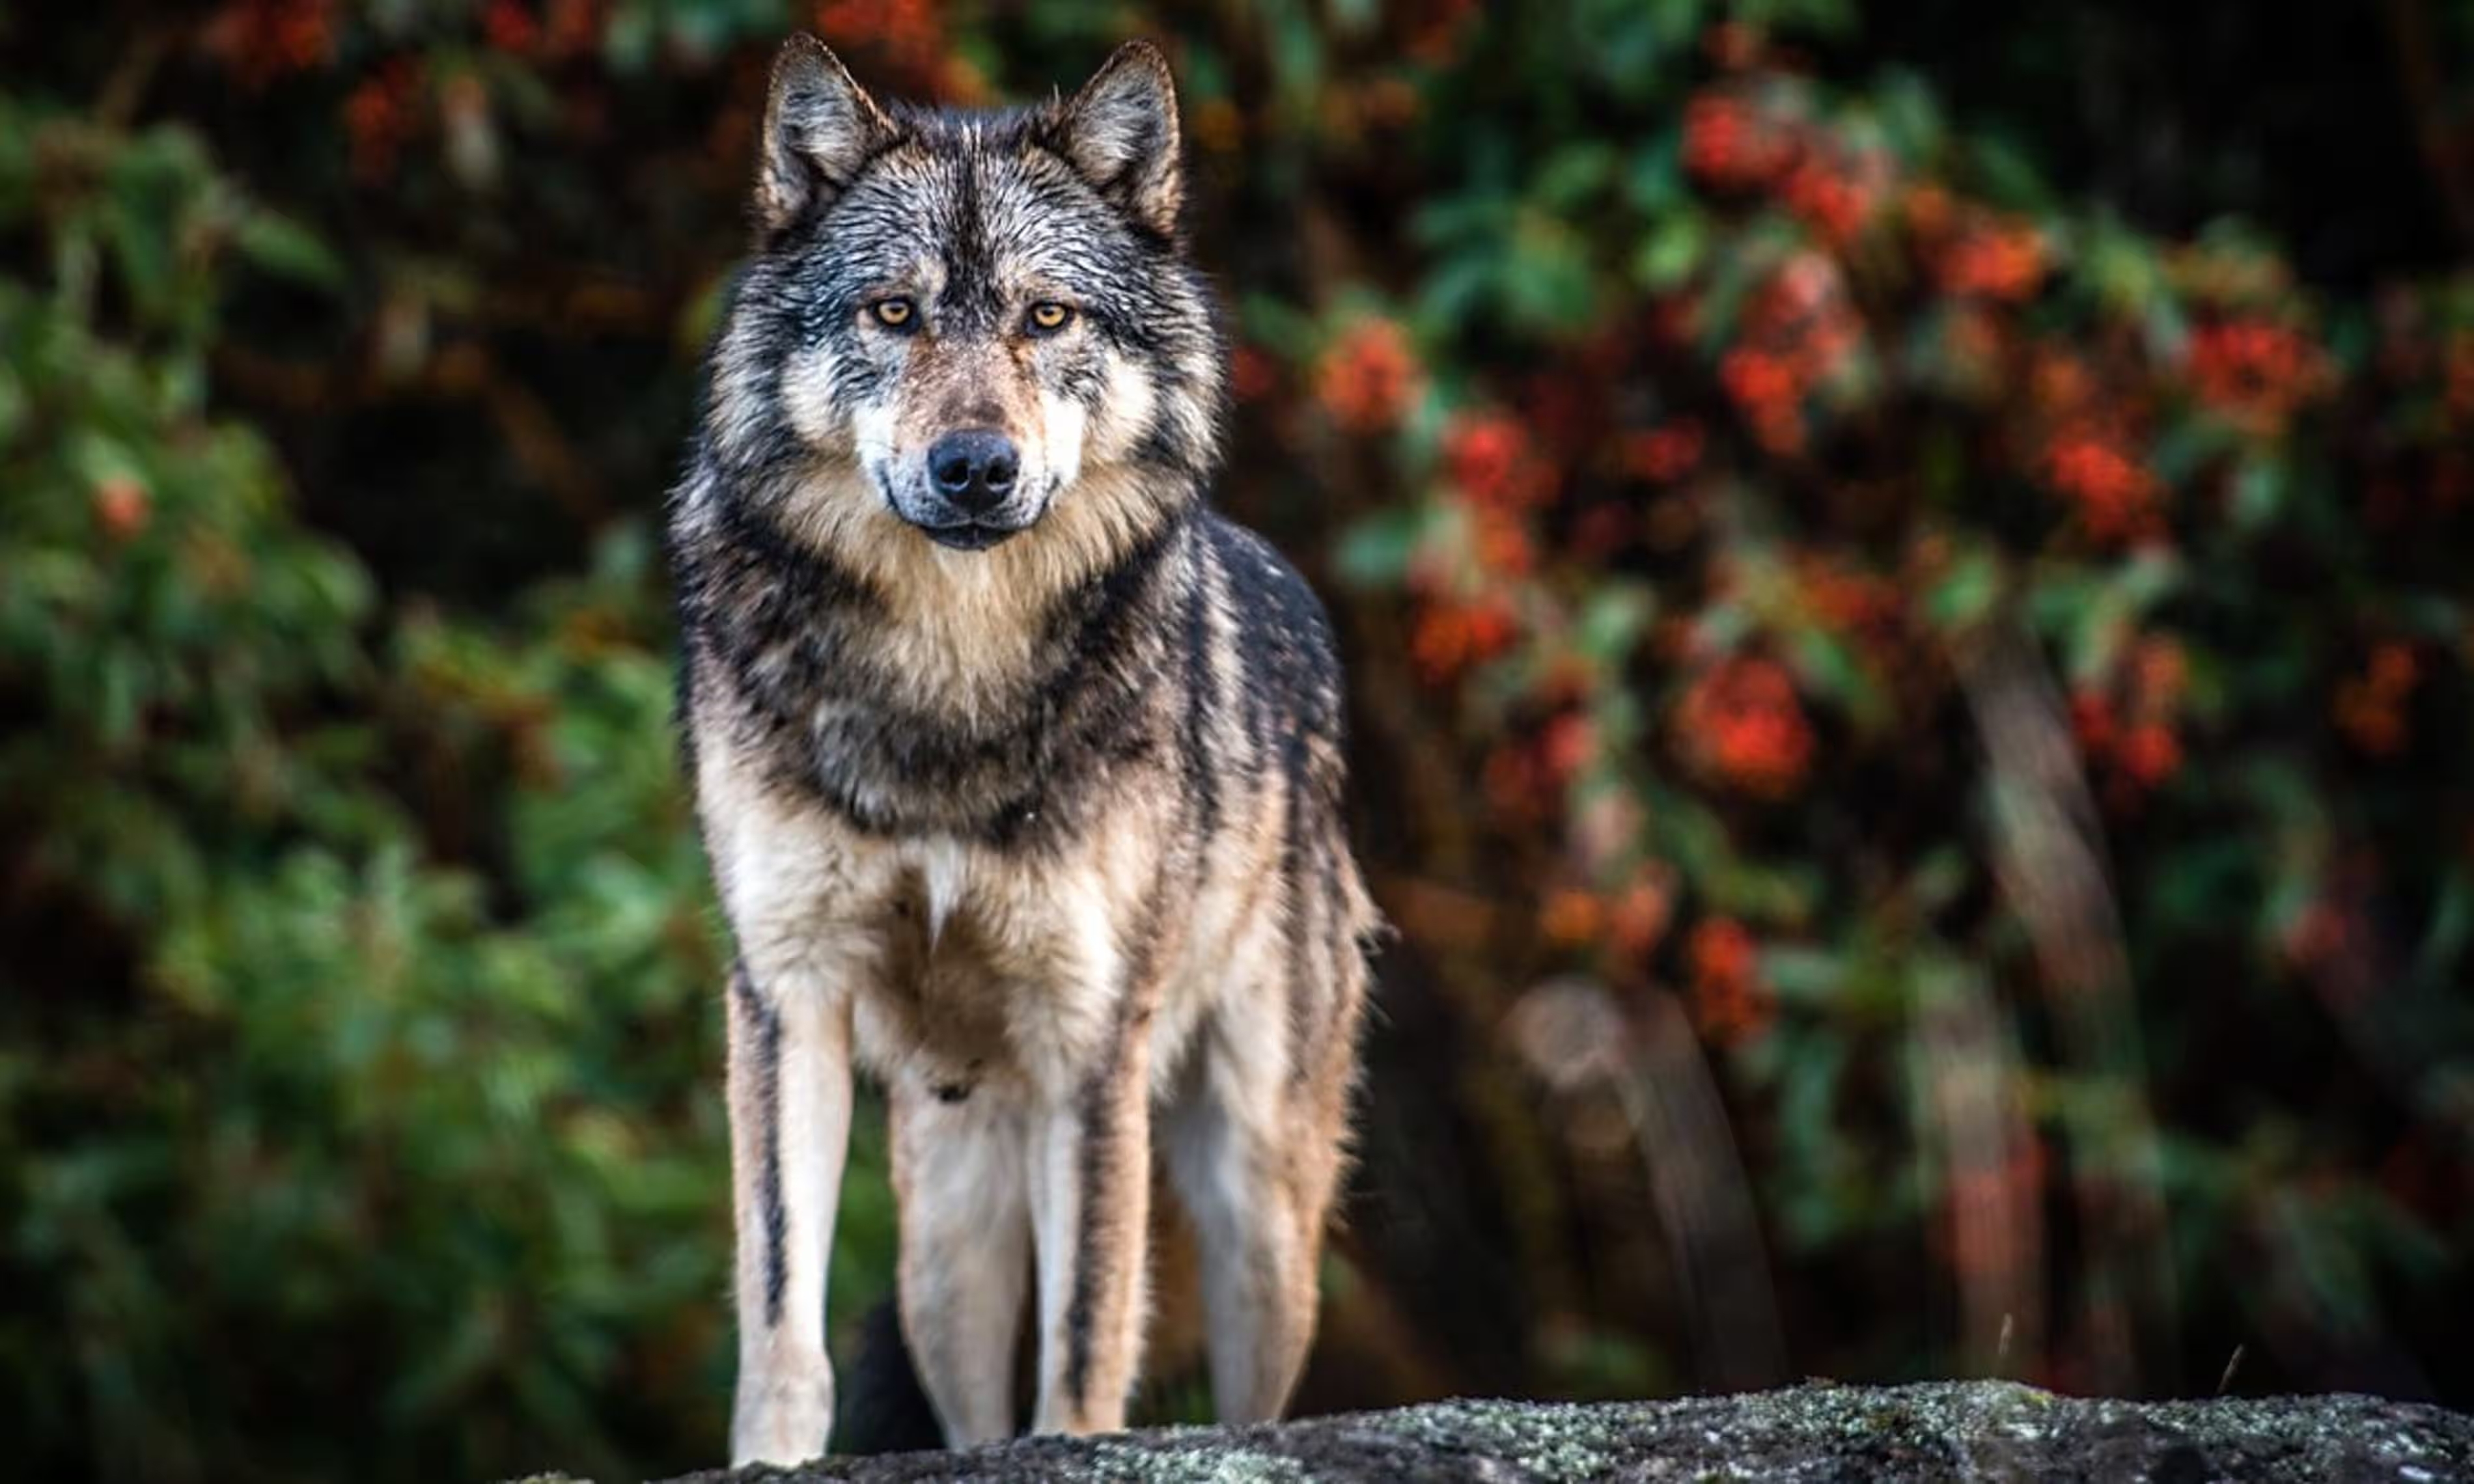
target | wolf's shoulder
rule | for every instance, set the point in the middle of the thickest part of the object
(1264, 585)
(1282, 632)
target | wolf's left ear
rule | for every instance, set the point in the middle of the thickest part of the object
(820, 127)
(1120, 132)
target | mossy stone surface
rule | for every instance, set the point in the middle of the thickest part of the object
(1971, 1430)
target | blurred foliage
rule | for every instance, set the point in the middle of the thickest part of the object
(1818, 567)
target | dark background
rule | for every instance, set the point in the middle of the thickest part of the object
(1906, 575)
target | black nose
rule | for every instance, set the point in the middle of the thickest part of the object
(974, 469)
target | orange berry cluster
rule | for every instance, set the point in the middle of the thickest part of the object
(2112, 492)
(1529, 772)
(2254, 372)
(1252, 375)
(262, 40)
(381, 114)
(1628, 922)
(1732, 144)
(1995, 259)
(1833, 196)
(1491, 460)
(2371, 708)
(1739, 722)
(1368, 375)
(563, 28)
(1800, 331)
(2126, 729)
(1499, 475)
(1728, 1001)
(1451, 636)
(1848, 600)
(123, 507)
(1664, 454)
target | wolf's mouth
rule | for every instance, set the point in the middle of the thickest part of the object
(969, 536)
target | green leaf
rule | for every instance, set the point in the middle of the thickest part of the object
(287, 250)
(1828, 667)
(1572, 175)
(1280, 327)
(1672, 252)
(1965, 595)
(2009, 179)
(2261, 488)
(12, 405)
(1800, 974)
(1375, 551)
(1612, 620)
(1655, 181)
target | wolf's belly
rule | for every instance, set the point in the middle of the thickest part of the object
(994, 969)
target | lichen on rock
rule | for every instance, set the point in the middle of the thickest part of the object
(1971, 1430)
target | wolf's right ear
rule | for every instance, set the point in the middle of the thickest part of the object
(820, 127)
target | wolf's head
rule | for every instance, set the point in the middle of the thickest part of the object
(961, 326)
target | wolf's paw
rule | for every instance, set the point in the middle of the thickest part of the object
(783, 1413)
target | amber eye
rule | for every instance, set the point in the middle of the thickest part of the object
(894, 314)
(1049, 317)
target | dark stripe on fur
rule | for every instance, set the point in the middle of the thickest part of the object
(1338, 942)
(1099, 1115)
(1101, 1103)
(1202, 696)
(764, 1022)
(1293, 890)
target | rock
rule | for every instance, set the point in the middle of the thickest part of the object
(1944, 1430)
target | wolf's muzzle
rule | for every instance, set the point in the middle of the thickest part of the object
(973, 475)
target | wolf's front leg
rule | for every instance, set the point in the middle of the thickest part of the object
(1090, 1201)
(789, 1087)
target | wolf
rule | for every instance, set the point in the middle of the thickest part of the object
(1018, 768)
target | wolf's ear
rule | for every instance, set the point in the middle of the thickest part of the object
(820, 127)
(1120, 132)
